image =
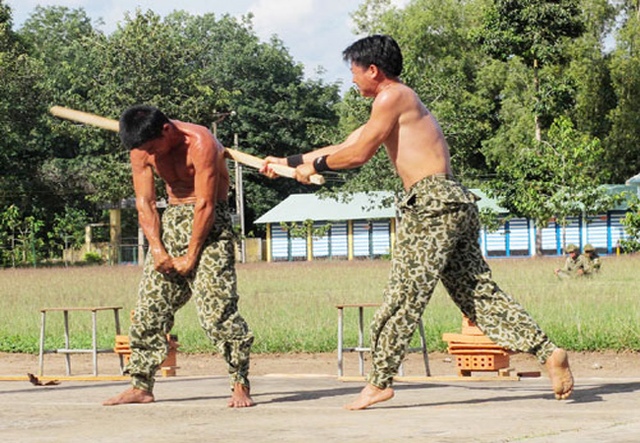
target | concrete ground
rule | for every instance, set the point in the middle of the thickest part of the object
(309, 408)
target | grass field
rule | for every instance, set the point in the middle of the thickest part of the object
(291, 306)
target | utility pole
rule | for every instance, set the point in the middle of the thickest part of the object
(218, 117)
(240, 202)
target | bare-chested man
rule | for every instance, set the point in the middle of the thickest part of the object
(191, 249)
(438, 232)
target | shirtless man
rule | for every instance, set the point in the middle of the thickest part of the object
(191, 249)
(438, 232)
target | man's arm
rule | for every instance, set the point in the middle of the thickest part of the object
(588, 265)
(148, 217)
(361, 144)
(309, 157)
(207, 156)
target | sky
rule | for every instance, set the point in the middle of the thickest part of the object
(314, 31)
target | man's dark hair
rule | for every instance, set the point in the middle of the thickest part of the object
(139, 124)
(379, 50)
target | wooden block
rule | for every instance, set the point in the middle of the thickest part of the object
(168, 371)
(462, 338)
(122, 348)
(479, 352)
(456, 345)
(469, 328)
(532, 374)
(505, 372)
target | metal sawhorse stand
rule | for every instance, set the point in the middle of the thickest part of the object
(67, 350)
(361, 349)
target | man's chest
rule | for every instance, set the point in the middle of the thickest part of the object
(175, 167)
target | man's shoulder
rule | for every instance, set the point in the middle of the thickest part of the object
(198, 137)
(139, 159)
(191, 128)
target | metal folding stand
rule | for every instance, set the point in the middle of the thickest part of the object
(361, 349)
(67, 350)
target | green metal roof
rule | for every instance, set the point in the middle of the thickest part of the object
(635, 180)
(360, 206)
(487, 202)
(301, 207)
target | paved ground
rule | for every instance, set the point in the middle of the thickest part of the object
(309, 408)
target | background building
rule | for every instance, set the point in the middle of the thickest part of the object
(308, 227)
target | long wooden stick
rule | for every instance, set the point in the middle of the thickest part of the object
(233, 154)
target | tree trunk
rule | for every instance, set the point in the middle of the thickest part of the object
(539, 228)
(536, 86)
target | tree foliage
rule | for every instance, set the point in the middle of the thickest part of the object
(551, 90)
(530, 29)
(631, 224)
(554, 178)
(195, 68)
(624, 138)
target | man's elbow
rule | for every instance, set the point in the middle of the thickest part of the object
(204, 204)
(360, 159)
(143, 204)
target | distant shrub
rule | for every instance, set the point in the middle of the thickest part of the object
(93, 258)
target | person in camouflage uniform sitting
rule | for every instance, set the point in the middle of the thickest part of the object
(590, 260)
(573, 265)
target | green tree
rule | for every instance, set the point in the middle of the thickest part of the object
(194, 68)
(21, 107)
(533, 30)
(588, 71)
(555, 178)
(23, 245)
(631, 222)
(9, 221)
(623, 142)
(68, 230)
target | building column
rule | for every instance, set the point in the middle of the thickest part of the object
(392, 234)
(115, 231)
(269, 245)
(310, 243)
(350, 239)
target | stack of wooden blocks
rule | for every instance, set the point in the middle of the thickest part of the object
(168, 366)
(474, 351)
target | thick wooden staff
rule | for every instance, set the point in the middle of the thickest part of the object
(233, 154)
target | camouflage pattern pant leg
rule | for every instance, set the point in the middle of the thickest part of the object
(438, 240)
(213, 286)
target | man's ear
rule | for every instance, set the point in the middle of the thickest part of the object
(376, 73)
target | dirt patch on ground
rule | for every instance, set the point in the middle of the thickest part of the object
(592, 364)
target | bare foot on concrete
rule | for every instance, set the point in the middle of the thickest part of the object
(370, 395)
(241, 397)
(131, 395)
(560, 374)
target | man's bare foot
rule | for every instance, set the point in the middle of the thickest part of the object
(241, 397)
(131, 395)
(370, 395)
(560, 374)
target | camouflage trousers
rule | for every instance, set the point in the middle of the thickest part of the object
(213, 287)
(438, 241)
